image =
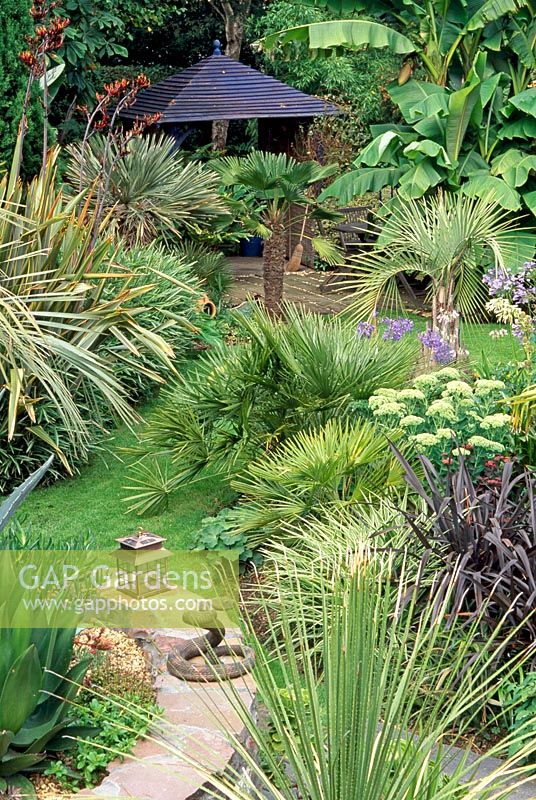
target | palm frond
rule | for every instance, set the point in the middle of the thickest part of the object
(152, 189)
(439, 236)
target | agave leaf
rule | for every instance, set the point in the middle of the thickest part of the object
(13, 763)
(15, 707)
(6, 737)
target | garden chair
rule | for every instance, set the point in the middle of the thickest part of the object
(352, 233)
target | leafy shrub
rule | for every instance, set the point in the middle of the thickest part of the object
(152, 189)
(59, 382)
(16, 25)
(219, 533)
(209, 266)
(444, 417)
(242, 400)
(518, 700)
(171, 295)
(119, 727)
(37, 686)
(311, 474)
(484, 532)
(118, 724)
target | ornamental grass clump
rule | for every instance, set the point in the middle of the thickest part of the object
(358, 728)
(442, 416)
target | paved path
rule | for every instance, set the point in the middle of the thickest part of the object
(304, 287)
(159, 767)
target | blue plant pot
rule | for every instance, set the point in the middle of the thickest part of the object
(251, 248)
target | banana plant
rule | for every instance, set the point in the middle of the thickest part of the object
(470, 124)
(446, 35)
(459, 139)
(37, 686)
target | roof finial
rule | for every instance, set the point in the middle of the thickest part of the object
(217, 47)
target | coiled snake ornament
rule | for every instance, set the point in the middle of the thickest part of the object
(208, 645)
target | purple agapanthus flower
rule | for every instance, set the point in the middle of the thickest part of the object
(365, 329)
(441, 350)
(396, 328)
(519, 286)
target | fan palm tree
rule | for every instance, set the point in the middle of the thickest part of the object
(279, 184)
(450, 239)
(151, 188)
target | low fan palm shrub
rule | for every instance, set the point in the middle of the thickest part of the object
(355, 729)
(315, 472)
(152, 190)
(244, 400)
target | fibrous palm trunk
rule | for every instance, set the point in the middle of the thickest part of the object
(274, 268)
(445, 317)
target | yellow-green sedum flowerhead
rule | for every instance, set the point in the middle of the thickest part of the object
(495, 421)
(461, 388)
(411, 421)
(424, 440)
(389, 409)
(442, 409)
(448, 374)
(484, 387)
(411, 394)
(486, 444)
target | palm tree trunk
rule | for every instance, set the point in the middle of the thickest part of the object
(274, 268)
(445, 318)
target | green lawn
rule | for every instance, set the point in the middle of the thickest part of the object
(91, 503)
(476, 338)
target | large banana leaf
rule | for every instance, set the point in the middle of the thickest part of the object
(360, 181)
(514, 166)
(491, 10)
(461, 105)
(354, 34)
(411, 98)
(419, 179)
(525, 101)
(492, 190)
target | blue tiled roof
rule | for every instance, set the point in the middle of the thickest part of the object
(220, 88)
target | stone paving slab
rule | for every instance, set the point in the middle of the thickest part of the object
(306, 287)
(160, 767)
